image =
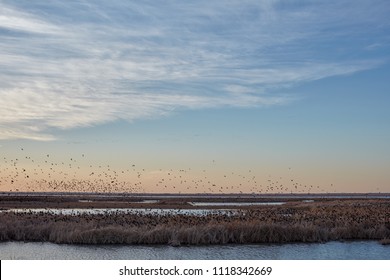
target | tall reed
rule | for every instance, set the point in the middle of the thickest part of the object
(319, 222)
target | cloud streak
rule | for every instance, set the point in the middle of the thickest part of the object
(83, 63)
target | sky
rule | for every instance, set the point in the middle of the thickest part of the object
(195, 96)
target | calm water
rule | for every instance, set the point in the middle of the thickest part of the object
(113, 211)
(234, 203)
(356, 250)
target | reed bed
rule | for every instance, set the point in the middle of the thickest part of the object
(318, 222)
(385, 241)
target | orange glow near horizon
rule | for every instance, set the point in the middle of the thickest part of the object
(53, 173)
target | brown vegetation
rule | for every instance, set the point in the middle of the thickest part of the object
(385, 241)
(297, 222)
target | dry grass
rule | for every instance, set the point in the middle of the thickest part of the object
(318, 222)
(385, 241)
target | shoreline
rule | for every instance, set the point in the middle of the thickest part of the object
(164, 201)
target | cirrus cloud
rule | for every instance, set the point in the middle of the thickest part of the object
(83, 63)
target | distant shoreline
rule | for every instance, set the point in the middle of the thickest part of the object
(299, 194)
(167, 200)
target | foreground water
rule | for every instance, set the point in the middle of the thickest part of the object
(357, 250)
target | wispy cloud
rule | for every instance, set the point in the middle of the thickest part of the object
(66, 64)
(19, 21)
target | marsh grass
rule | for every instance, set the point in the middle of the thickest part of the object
(319, 222)
(385, 241)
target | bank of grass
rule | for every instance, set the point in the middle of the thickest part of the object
(385, 241)
(319, 222)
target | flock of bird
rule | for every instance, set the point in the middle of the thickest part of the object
(76, 174)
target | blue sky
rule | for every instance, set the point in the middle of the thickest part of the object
(262, 85)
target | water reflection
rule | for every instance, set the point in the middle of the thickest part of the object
(327, 251)
(234, 203)
(113, 211)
